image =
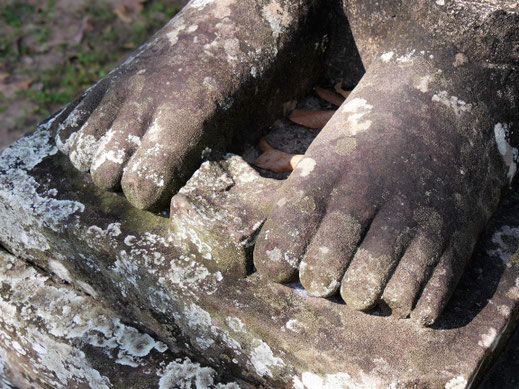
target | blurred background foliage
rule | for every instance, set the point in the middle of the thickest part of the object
(52, 50)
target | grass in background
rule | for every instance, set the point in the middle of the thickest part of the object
(107, 32)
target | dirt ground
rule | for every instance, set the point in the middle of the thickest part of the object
(52, 50)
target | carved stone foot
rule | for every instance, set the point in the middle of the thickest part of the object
(192, 86)
(390, 198)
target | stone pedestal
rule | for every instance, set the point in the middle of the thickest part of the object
(54, 336)
(186, 281)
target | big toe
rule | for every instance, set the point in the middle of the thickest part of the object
(285, 235)
(118, 145)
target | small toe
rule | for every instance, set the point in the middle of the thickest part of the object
(376, 258)
(73, 117)
(411, 274)
(439, 288)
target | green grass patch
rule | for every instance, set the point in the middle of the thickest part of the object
(110, 42)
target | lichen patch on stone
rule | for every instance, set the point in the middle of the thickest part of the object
(295, 325)
(184, 374)
(505, 240)
(458, 106)
(306, 166)
(24, 206)
(509, 153)
(114, 155)
(406, 58)
(274, 255)
(277, 17)
(458, 382)
(200, 4)
(422, 83)
(386, 57)
(82, 154)
(55, 320)
(310, 380)
(59, 269)
(262, 358)
(173, 35)
(460, 59)
(357, 108)
(488, 338)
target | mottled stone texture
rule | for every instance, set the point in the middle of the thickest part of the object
(439, 99)
(53, 336)
(258, 332)
(218, 213)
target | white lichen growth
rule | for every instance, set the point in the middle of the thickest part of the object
(509, 153)
(504, 240)
(422, 83)
(386, 57)
(310, 380)
(458, 382)
(295, 326)
(184, 374)
(82, 154)
(262, 358)
(406, 58)
(27, 209)
(488, 339)
(458, 106)
(274, 255)
(200, 4)
(277, 17)
(108, 152)
(306, 166)
(57, 322)
(357, 108)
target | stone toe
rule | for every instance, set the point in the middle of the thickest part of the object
(376, 259)
(439, 287)
(329, 253)
(286, 234)
(118, 145)
(89, 137)
(412, 272)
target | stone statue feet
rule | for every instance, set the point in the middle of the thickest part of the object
(389, 199)
(144, 127)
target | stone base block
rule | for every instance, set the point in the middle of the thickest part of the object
(52, 336)
(185, 285)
